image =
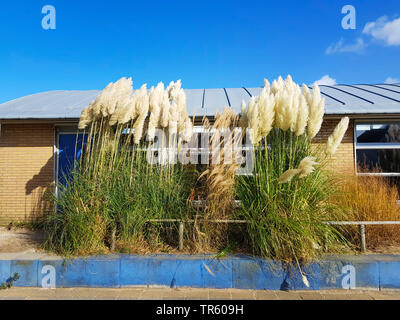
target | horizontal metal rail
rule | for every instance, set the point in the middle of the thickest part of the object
(362, 222)
(361, 225)
(198, 220)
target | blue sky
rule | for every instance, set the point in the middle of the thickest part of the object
(207, 44)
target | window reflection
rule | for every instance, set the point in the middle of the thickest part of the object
(378, 160)
(378, 133)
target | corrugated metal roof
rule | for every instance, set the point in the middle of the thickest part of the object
(340, 99)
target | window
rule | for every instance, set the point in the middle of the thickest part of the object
(378, 148)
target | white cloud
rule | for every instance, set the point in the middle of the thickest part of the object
(340, 47)
(385, 30)
(390, 80)
(326, 80)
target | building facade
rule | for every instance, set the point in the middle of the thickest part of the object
(38, 137)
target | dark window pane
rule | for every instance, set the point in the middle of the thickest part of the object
(382, 160)
(378, 133)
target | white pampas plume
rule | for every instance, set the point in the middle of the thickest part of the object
(112, 99)
(336, 137)
(116, 115)
(165, 106)
(304, 169)
(84, 119)
(121, 91)
(122, 116)
(180, 100)
(282, 109)
(277, 85)
(187, 131)
(173, 112)
(316, 105)
(266, 109)
(173, 89)
(305, 281)
(100, 102)
(243, 123)
(155, 100)
(121, 113)
(288, 175)
(142, 108)
(96, 110)
(105, 98)
(253, 117)
(306, 166)
(266, 84)
(128, 112)
(293, 91)
(302, 116)
(306, 92)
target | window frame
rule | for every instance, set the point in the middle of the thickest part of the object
(373, 146)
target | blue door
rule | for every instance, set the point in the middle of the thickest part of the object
(69, 151)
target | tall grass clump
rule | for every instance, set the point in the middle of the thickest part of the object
(371, 198)
(219, 180)
(123, 180)
(288, 196)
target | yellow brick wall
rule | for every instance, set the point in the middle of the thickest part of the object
(343, 160)
(26, 170)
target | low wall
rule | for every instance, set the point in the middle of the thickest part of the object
(204, 271)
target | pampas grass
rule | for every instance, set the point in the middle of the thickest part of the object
(304, 169)
(284, 201)
(220, 178)
(306, 166)
(85, 118)
(316, 106)
(287, 197)
(336, 137)
(114, 190)
(288, 175)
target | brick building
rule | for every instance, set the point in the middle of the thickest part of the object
(38, 136)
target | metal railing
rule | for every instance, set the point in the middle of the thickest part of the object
(361, 225)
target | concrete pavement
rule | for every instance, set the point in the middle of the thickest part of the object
(190, 294)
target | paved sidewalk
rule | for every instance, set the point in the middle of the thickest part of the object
(189, 294)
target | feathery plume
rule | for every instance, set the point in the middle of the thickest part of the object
(336, 137)
(244, 121)
(306, 166)
(121, 91)
(142, 107)
(165, 106)
(266, 84)
(252, 114)
(277, 85)
(84, 119)
(316, 106)
(304, 169)
(288, 175)
(266, 109)
(302, 116)
(155, 100)
(187, 131)
(129, 112)
(305, 280)
(282, 109)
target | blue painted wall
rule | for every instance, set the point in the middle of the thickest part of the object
(241, 272)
